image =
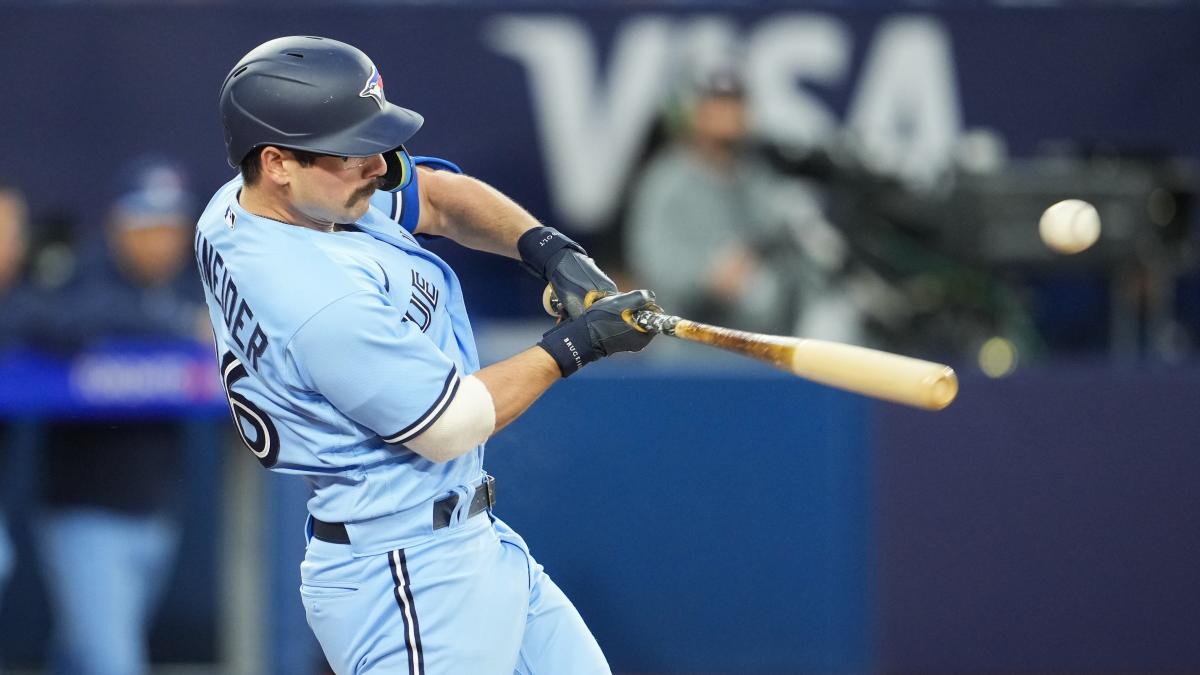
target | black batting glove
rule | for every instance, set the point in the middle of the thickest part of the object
(601, 331)
(556, 258)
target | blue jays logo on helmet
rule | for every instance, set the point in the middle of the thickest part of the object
(374, 88)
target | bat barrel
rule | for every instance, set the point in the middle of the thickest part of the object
(871, 372)
(902, 379)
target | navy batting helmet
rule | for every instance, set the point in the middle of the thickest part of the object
(314, 94)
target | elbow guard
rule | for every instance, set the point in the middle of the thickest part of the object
(467, 421)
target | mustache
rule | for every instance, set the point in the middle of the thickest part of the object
(364, 192)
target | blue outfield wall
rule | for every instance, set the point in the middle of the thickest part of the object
(743, 521)
(1047, 522)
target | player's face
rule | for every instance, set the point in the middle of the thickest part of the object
(12, 237)
(151, 252)
(720, 120)
(335, 189)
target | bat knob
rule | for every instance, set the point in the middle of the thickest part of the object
(554, 307)
(550, 302)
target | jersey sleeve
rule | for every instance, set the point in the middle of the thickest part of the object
(404, 206)
(374, 366)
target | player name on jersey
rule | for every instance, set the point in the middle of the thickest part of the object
(235, 311)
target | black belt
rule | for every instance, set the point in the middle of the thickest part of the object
(485, 498)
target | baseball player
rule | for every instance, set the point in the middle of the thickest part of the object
(348, 359)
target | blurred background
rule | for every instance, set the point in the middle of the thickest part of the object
(876, 172)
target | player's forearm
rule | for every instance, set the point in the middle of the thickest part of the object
(516, 382)
(485, 403)
(490, 399)
(472, 214)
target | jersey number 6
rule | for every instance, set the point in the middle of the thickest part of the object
(247, 416)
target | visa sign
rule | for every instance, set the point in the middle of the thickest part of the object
(903, 111)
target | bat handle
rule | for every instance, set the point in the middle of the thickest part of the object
(645, 320)
(649, 321)
(554, 307)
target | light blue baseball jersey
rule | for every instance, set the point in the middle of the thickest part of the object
(336, 348)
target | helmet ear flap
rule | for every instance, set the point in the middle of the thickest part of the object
(400, 170)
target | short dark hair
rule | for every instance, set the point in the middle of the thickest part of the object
(251, 168)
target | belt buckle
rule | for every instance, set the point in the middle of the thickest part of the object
(489, 485)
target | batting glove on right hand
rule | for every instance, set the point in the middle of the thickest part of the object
(600, 331)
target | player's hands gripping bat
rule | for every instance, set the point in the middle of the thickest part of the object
(556, 258)
(602, 330)
(871, 372)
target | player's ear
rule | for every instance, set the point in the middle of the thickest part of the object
(273, 167)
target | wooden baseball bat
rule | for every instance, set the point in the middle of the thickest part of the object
(870, 372)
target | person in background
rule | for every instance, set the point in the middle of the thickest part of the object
(15, 305)
(19, 303)
(720, 234)
(14, 235)
(108, 534)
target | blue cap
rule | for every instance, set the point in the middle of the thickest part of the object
(152, 187)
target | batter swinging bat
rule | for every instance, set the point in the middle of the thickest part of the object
(921, 384)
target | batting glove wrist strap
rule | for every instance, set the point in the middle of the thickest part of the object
(570, 344)
(540, 246)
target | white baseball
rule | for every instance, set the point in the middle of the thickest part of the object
(1070, 226)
